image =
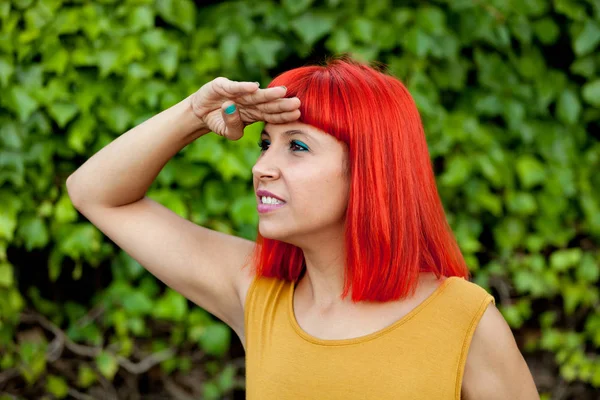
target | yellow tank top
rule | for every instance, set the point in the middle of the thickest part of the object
(419, 357)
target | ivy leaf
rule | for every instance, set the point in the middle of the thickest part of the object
(6, 274)
(561, 260)
(34, 232)
(168, 60)
(57, 61)
(530, 171)
(312, 26)
(169, 199)
(457, 171)
(215, 339)
(107, 365)
(589, 269)
(62, 113)
(117, 117)
(243, 210)
(546, 30)
(108, 60)
(568, 107)
(6, 70)
(180, 13)
(591, 92)
(587, 39)
(81, 133)
(57, 386)
(24, 104)
(296, 6)
(137, 303)
(86, 376)
(141, 18)
(171, 306)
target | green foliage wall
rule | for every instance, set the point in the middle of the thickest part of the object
(509, 92)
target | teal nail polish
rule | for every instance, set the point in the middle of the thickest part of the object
(230, 110)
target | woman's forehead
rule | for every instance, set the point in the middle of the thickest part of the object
(290, 128)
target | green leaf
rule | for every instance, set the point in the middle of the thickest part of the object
(312, 26)
(57, 386)
(588, 269)
(521, 203)
(585, 66)
(216, 339)
(24, 103)
(171, 306)
(457, 172)
(108, 61)
(34, 232)
(117, 117)
(137, 303)
(168, 60)
(296, 6)
(561, 260)
(431, 20)
(546, 30)
(362, 29)
(62, 113)
(587, 39)
(141, 18)
(57, 61)
(591, 92)
(568, 107)
(64, 212)
(6, 274)
(171, 200)
(6, 70)
(180, 13)
(81, 133)
(86, 376)
(107, 365)
(530, 171)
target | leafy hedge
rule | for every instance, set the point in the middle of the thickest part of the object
(509, 93)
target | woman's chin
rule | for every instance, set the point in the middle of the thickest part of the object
(270, 231)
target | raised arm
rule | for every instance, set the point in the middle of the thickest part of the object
(110, 190)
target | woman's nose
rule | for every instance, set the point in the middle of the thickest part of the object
(265, 168)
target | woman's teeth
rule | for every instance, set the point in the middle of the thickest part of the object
(270, 200)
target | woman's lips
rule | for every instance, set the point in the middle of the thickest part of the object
(265, 208)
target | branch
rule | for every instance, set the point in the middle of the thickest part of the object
(61, 340)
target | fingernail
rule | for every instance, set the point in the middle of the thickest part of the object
(230, 110)
(258, 83)
(284, 87)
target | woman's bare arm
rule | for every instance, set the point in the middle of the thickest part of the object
(109, 189)
(495, 367)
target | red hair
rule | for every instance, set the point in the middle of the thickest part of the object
(395, 222)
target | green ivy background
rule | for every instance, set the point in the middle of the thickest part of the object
(509, 92)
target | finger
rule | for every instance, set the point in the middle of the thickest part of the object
(234, 127)
(262, 96)
(226, 87)
(281, 118)
(279, 105)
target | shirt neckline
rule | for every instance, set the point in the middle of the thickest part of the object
(364, 338)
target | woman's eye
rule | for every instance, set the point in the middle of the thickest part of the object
(298, 146)
(264, 144)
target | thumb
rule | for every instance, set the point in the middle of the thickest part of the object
(234, 127)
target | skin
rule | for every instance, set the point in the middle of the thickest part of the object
(303, 166)
(207, 266)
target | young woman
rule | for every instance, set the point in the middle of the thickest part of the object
(356, 288)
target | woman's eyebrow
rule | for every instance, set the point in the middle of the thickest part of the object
(287, 133)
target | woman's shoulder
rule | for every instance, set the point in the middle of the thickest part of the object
(469, 290)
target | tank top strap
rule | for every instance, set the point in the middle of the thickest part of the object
(452, 320)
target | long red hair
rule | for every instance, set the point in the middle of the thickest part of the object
(395, 222)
